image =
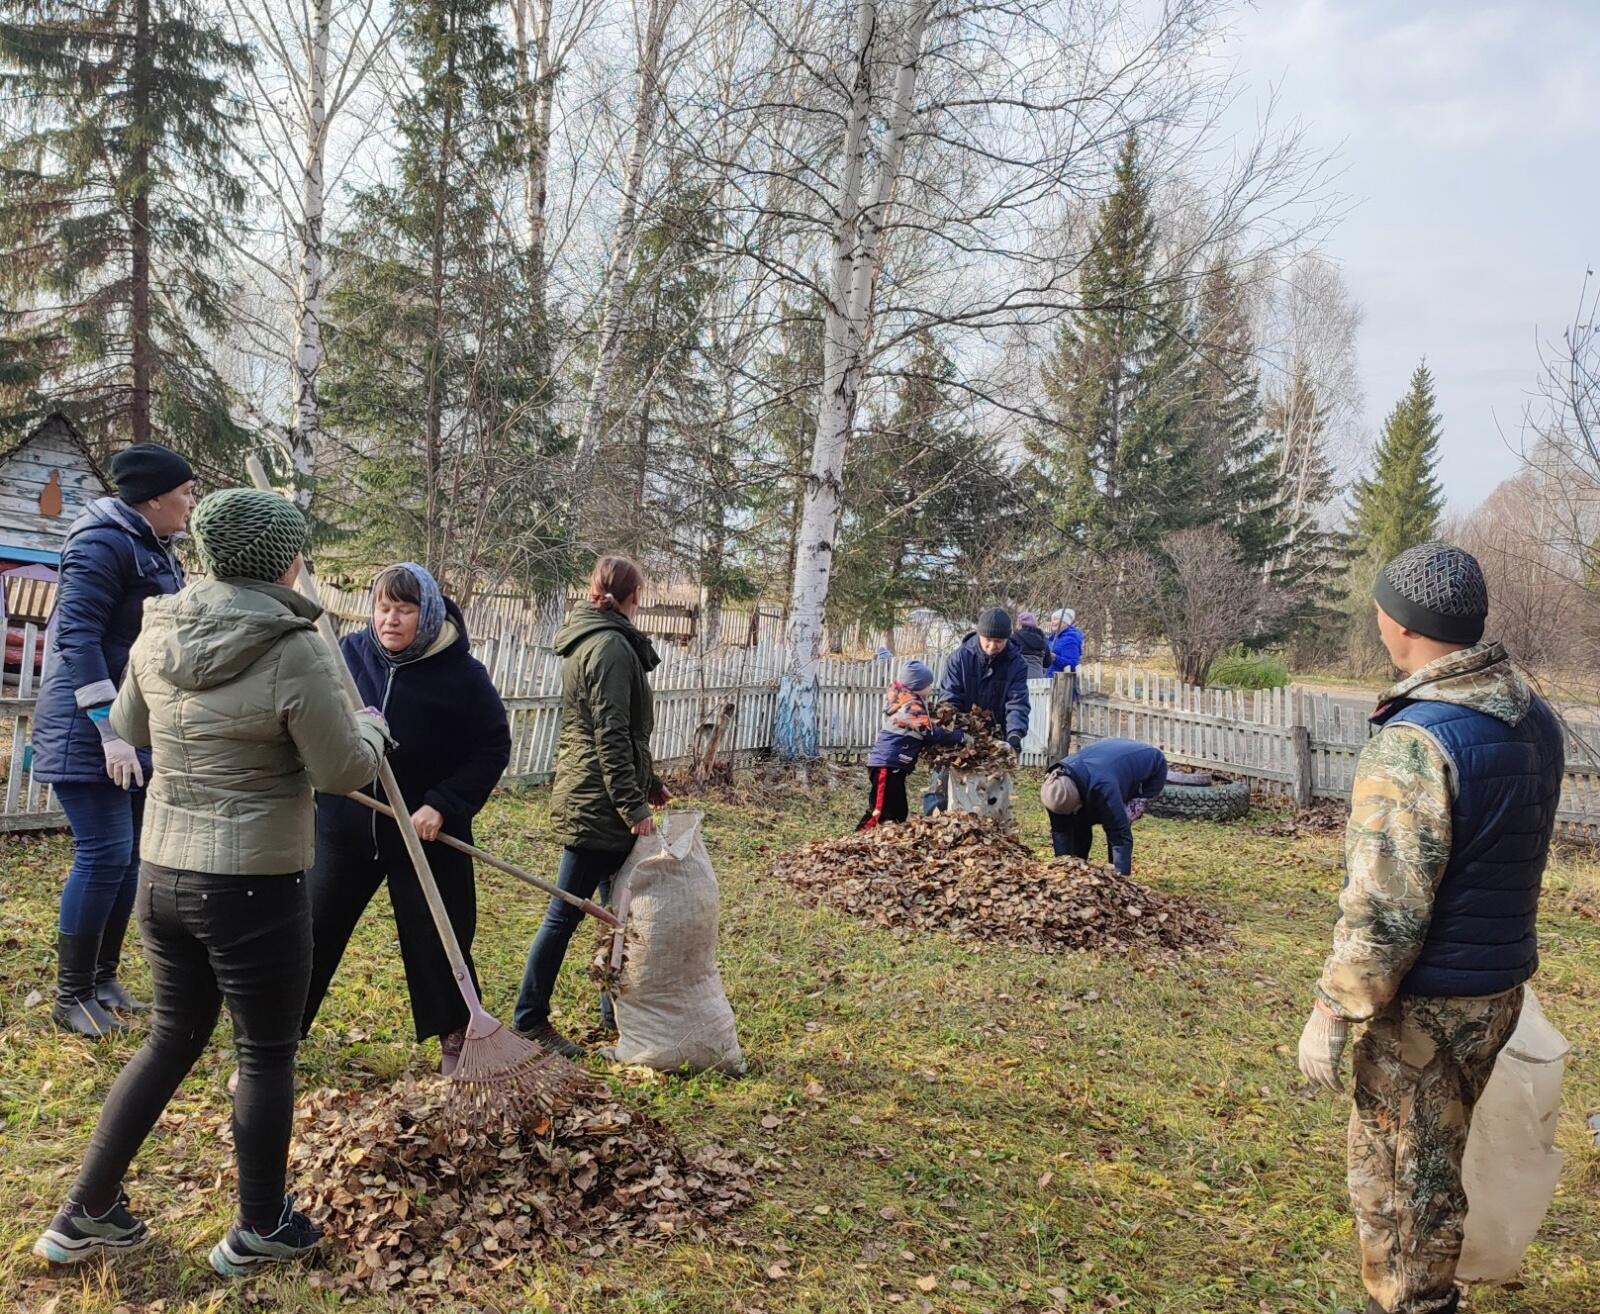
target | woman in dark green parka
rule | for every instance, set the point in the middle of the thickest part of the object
(606, 787)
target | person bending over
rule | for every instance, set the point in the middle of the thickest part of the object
(1108, 785)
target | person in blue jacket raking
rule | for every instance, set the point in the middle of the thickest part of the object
(987, 671)
(1108, 785)
(117, 554)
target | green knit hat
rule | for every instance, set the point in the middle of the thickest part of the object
(245, 533)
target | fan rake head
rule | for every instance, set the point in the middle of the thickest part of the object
(503, 1076)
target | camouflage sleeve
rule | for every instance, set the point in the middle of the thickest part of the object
(1396, 846)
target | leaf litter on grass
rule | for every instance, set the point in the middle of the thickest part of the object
(420, 1201)
(964, 874)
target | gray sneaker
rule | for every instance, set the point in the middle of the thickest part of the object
(75, 1235)
(245, 1248)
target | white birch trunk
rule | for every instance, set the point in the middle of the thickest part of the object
(615, 287)
(305, 433)
(856, 255)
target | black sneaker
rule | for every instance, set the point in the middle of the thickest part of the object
(244, 1248)
(74, 1235)
(552, 1041)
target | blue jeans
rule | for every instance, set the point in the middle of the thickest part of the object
(105, 859)
(583, 872)
(937, 794)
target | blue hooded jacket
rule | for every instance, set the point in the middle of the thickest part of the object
(1066, 650)
(1110, 774)
(999, 685)
(111, 562)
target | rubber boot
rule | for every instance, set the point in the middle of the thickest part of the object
(107, 989)
(76, 1009)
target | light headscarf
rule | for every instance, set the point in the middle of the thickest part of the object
(430, 617)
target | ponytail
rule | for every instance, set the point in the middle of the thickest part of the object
(614, 581)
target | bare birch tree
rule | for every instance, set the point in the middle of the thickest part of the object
(313, 64)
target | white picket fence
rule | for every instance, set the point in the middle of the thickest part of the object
(1284, 741)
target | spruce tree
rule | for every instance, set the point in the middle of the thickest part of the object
(433, 371)
(1398, 506)
(1115, 461)
(793, 369)
(1236, 483)
(115, 177)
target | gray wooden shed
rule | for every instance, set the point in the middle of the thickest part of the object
(46, 480)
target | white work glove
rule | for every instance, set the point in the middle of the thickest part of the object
(122, 763)
(1322, 1046)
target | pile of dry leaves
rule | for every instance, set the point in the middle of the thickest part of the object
(1327, 816)
(979, 751)
(418, 1202)
(964, 874)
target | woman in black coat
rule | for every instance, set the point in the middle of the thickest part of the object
(412, 663)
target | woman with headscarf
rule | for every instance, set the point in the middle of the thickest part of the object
(238, 699)
(412, 662)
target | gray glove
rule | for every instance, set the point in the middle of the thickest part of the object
(122, 762)
(1321, 1047)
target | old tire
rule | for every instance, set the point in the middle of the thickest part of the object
(1227, 801)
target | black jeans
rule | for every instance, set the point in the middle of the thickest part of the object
(886, 797)
(343, 880)
(1071, 834)
(240, 940)
(583, 871)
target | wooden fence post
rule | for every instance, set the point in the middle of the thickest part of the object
(1305, 780)
(1059, 742)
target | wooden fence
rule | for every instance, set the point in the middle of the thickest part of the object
(1285, 741)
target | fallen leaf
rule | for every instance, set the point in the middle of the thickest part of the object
(927, 1282)
(34, 999)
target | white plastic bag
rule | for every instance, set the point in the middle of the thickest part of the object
(672, 1013)
(1511, 1162)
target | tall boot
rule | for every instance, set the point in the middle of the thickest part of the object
(107, 989)
(76, 1009)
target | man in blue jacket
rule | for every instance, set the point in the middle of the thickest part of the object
(1106, 784)
(1066, 642)
(118, 553)
(987, 671)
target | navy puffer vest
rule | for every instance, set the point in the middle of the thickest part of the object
(1483, 938)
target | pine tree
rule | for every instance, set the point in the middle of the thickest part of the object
(1399, 505)
(1116, 459)
(433, 371)
(114, 181)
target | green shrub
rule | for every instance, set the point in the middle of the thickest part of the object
(1244, 668)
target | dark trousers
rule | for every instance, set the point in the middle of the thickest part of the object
(240, 940)
(105, 855)
(1071, 834)
(886, 797)
(583, 872)
(343, 880)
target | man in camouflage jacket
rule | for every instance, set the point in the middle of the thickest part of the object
(1453, 807)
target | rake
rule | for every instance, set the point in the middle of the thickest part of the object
(500, 1074)
(588, 906)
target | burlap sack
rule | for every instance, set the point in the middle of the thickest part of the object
(672, 1013)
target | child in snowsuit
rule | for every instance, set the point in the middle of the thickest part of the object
(908, 728)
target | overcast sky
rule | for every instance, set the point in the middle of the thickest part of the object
(1469, 135)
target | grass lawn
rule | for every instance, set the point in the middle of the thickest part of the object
(960, 1128)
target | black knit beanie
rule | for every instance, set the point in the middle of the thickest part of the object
(995, 624)
(1436, 590)
(147, 470)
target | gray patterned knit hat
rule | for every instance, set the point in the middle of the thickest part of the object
(1437, 590)
(245, 533)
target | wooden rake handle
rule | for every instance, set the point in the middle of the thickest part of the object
(500, 864)
(481, 1024)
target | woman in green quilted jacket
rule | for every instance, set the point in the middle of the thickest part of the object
(239, 701)
(606, 786)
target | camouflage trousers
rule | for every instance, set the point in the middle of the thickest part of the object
(1420, 1067)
